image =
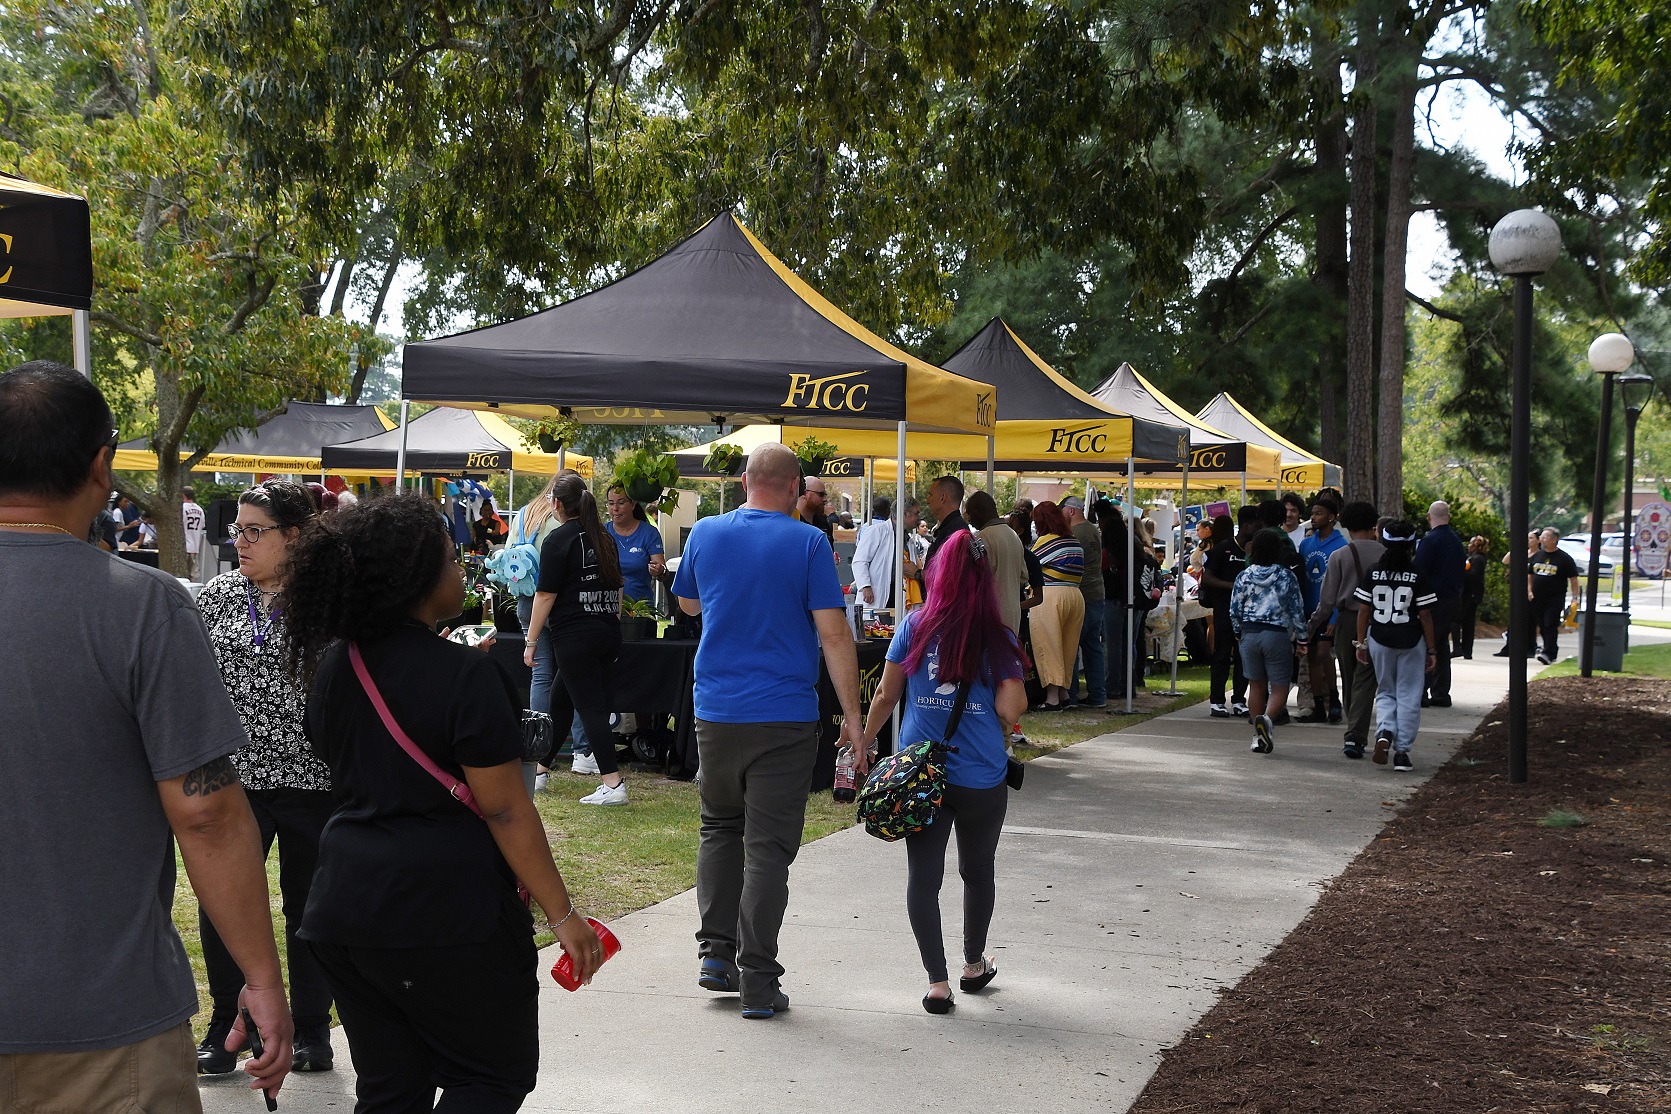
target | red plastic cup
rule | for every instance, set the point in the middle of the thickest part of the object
(563, 969)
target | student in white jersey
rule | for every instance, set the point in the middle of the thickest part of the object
(1395, 634)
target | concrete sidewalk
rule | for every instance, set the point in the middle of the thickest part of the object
(1140, 874)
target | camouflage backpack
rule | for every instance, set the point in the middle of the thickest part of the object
(904, 791)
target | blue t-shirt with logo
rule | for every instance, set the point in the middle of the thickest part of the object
(980, 760)
(636, 549)
(1314, 552)
(759, 576)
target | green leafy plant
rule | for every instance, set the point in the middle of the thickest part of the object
(637, 609)
(813, 454)
(724, 460)
(549, 434)
(649, 476)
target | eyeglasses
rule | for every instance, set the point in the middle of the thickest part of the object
(252, 534)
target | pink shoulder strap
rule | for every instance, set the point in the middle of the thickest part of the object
(459, 790)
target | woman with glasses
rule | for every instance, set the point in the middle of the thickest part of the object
(637, 543)
(289, 789)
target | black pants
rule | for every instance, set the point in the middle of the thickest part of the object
(1546, 613)
(586, 654)
(464, 1019)
(1465, 628)
(977, 816)
(1227, 658)
(295, 817)
(1444, 613)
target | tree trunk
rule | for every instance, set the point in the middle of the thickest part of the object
(1332, 193)
(362, 366)
(1360, 307)
(165, 505)
(1400, 169)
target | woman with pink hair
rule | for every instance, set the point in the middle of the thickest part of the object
(955, 650)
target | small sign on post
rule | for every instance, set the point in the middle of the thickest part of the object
(1651, 540)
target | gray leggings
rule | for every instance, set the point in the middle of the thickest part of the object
(977, 815)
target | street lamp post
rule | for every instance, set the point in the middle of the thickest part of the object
(1634, 392)
(1610, 354)
(1524, 244)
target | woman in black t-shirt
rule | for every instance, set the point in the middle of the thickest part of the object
(579, 595)
(414, 913)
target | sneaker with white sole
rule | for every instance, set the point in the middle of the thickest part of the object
(1238, 709)
(541, 781)
(606, 795)
(1401, 762)
(585, 765)
(1219, 711)
(1262, 735)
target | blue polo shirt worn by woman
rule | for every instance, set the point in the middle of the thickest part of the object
(980, 760)
(636, 549)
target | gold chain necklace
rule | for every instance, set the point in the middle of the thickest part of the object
(37, 526)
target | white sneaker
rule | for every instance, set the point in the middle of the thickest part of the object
(585, 764)
(606, 795)
(541, 781)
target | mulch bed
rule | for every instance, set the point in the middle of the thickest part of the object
(1473, 959)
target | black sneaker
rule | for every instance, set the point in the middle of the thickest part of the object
(1315, 714)
(1262, 735)
(779, 1003)
(1401, 761)
(1441, 702)
(1335, 714)
(1219, 711)
(1383, 743)
(1281, 719)
(313, 1048)
(1239, 709)
(1543, 659)
(212, 1056)
(1352, 749)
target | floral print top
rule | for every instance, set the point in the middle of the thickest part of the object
(278, 755)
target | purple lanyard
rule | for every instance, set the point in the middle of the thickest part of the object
(257, 629)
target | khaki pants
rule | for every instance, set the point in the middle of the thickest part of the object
(153, 1076)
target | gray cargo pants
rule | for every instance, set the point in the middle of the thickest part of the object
(754, 783)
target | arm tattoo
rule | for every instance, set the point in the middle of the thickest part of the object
(210, 778)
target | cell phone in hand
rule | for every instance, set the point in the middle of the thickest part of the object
(257, 1049)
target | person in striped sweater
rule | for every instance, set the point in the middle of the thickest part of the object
(1056, 621)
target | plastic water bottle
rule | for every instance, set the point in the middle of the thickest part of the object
(846, 776)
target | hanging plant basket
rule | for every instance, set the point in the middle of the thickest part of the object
(724, 460)
(643, 492)
(548, 443)
(647, 476)
(814, 455)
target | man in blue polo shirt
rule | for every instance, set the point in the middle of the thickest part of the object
(1323, 540)
(766, 588)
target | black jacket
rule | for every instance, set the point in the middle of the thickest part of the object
(952, 525)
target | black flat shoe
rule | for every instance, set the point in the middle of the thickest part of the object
(212, 1056)
(313, 1050)
(939, 1005)
(970, 986)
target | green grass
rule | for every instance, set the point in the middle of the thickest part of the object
(1560, 818)
(1645, 661)
(1051, 731)
(618, 860)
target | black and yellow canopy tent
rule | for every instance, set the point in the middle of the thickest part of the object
(1300, 469)
(451, 442)
(1215, 457)
(46, 258)
(716, 331)
(291, 442)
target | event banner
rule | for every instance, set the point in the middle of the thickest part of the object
(1652, 538)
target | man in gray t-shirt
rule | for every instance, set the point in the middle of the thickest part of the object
(117, 736)
(1093, 654)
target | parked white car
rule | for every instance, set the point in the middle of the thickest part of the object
(1579, 547)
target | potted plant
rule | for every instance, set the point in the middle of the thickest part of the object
(649, 476)
(550, 434)
(814, 455)
(638, 621)
(724, 460)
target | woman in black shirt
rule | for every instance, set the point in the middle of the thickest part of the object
(1473, 591)
(579, 595)
(414, 912)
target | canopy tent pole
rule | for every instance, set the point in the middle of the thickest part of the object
(1178, 584)
(1131, 560)
(81, 331)
(400, 457)
(510, 491)
(991, 460)
(899, 559)
(1244, 492)
(562, 456)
